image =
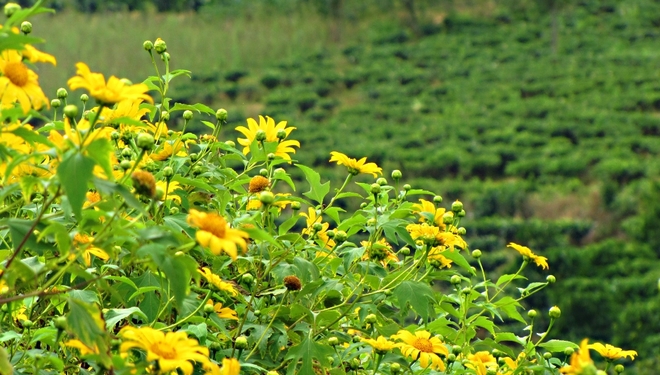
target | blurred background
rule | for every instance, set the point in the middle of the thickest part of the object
(543, 116)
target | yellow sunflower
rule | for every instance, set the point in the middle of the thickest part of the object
(527, 252)
(381, 345)
(611, 352)
(223, 312)
(482, 362)
(428, 208)
(216, 234)
(424, 232)
(421, 346)
(171, 187)
(218, 282)
(267, 125)
(435, 255)
(581, 362)
(380, 251)
(85, 242)
(19, 84)
(167, 149)
(114, 91)
(172, 350)
(322, 234)
(230, 366)
(355, 166)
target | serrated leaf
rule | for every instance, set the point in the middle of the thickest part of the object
(317, 190)
(75, 172)
(558, 345)
(307, 351)
(416, 294)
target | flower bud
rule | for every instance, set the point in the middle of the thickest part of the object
(396, 175)
(407, 187)
(371, 319)
(451, 357)
(551, 279)
(531, 313)
(569, 351)
(364, 205)
(270, 156)
(547, 355)
(257, 313)
(168, 172)
(174, 210)
(208, 309)
(447, 218)
(466, 291)
(165, 116)
(405, 251)
(247, 278)
(194, 157)
(317, 227)
(333, 341)
(160, 46)
(187, 115)
(340, 236)
(455, 280)
(375, 188)
(437, 199)
(381, 181)
(11, 8)
(260, 136)
(26, 27)
(84, 98)
(457, 206)
(126, 81)
(372, 222)
(395, 368)
(555, 312)
(125, 165)
(221, 115)
(295, 205)
(266, 197)
(27, 323)
(241, 342)
(71, 111)
(231, 144)
(165, 56)
(148, 45)
(456, 349)
(462, 231)
(60, 323)
(55, 103)
(330, 233)
(461, 213)
(126, 152)
(281, 134)
(263, 172)
(354, 364)
(619, 368)
(145, 141)
(476, 254)
(292, 283)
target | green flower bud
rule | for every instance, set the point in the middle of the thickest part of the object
(395, 368)
(257, 313)
(555, 312)
(84, 98)
(447, 218)
(375, 188)
(260, 136)
(263, 172)
(330, 233)
(569, 351)
(457, 206)
(221, 115)
(126, 81)
(174, 210)
(11, 8)
(407, 187)
(451, 357)
(551, 279)
(461, 213)
(62, 93)
(194, 157)
(266, 197)
(60, 323)
(247, 278)
(26, 27)
(281, 134)
(340, 236)
(547, 355)
(371, 319)
(364, 205)
(405, 251)
(372, 222)
(208, 309)
(270, 156)
(333, 341)
(531, 313)
(317, 226)
(160, 46)
(165, 56)
(354, 364)
(456, 349)
(295, 205)
(165, 116)
(71, 111)
(241, 342)
(231, 144)
(197, 170)
(381, 181)
(27, 323)
(466, 290)
(455, 280)
(168, 172)
(619, 368)
(476, 254)
(145, 141)
(170, 133)
(55, 103)
(187, 115)
(148, 45)
(388, 292)
(462, 231)
(126, 152)
(396, 175)
(437, 199)
(214, 345)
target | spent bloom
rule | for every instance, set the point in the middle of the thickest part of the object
(356, 166)
(216, 234)
(526, 252)
(421, 346)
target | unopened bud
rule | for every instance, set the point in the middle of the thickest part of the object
(457, 206)
(261, 135)
(340, 236)
(333, 341)
(396, 175)
(11, 8)
(555, 312)
(531, 313)
(371, 319)
(145, 141)
(407, 187)
(26, 27)
(381, 181)
(84, 98)
(476, 254)
(551, 279)
(455, 280)
(375, 188)
(71, 111)
(147, 45)
(55, 103)
(160, 46)
(437, 199)
(241, 342)
(221, 115)
(266, 197)
(187, 115)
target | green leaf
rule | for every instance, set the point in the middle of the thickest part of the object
(307, 351)
(558, 345)
(288, 224)
(419, 192)
(114, 316)
(18, 230)
(456, 257)
(198, 183)
(317, 191)
(85, 321)
(75, 172)
(509, 306)
(209, 124)
(5, 365)
(9, 335)
(199, 108)
(333, 212)
(109, 188)
(486, 323)
(418, 295)
(100, 150)
(258, 234)
(508, 277)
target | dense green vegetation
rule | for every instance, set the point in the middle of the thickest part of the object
(546, 126)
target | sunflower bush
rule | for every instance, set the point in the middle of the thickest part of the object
(130, 247)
